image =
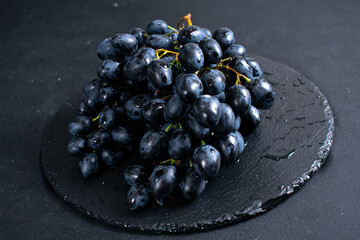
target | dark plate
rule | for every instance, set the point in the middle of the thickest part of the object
(290, 145)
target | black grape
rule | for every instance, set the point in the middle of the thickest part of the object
(98, 139)
(207, 111)
(137, 197)
(207, 161)
(235, 51)
(225, 37)
(160, 74)
(262, 94)
(191, 34)
(239, 99)
(212, 51)
(135, 174)
(175, 109)
(124, 43)
(179, 144)
(157, 27)
(191, 57)
(213, 81)
(188, 87)
(107, 119)
(138, 33)
(81, 125)
(153, 144)
(89, 165)
(227, 120)
(228, 148)
(77, 146)
(192, 185)
(163, 180)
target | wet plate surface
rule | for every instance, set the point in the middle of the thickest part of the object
(291, 143)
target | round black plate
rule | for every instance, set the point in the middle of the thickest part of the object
(291, 143)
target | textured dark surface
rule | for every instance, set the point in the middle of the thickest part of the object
(291, 143)
(48, 53)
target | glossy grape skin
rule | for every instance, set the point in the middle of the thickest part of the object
(262, 94)
(98, 139)
(77, 146)
(95, 83)
(211, 50)
(163, 180)
(192, 185)
(150, 52)
(137, 197)
(135, 174)
(135, 69)
(124, 43)
(239, 99)
(84, 110)
(138, 33)
(207, 32)
(237, 123)
(220, 97)
(255, 67)
(152, 144)
(157, 27)
(225, 37)
(206, 161)
(235, 51)
(153, 113)
(241, 66)
(240, 141)
(134, 106)
(214, 81)
(108, 95)
(191, 34)
(110, 157)
(121, 136)
(82, 125)
(109, 71)
(195, 128)
(228, 148)
(157, 41)
(191, 57)
(89, 165)
(251, 119)
(92, 100)
(207, 111)
(106, 50)
(227, 120)
(175, 109)
(189, 87)
(107, 119)
(160, 74)
(179, 144)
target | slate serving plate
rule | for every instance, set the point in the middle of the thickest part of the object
(290, 145)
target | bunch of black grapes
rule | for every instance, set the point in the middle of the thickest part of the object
(179, 98)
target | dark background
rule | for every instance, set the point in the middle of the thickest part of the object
(48, 52)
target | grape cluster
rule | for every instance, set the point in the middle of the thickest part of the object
(178, 97)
